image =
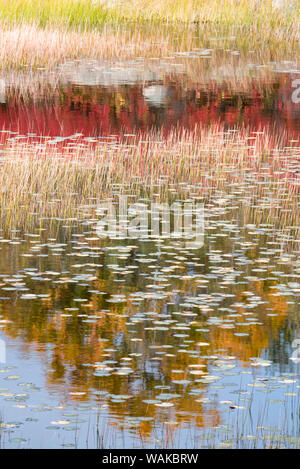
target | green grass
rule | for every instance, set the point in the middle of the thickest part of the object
(94, 13)
(70, 13)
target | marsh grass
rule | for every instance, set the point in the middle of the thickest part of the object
(67, 12)
(94, 13)
(221, 71)
(55, 181)
(30, 47)
(35, 34)
(237, 431)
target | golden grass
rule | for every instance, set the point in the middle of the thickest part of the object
(243, 12)
(31, 47)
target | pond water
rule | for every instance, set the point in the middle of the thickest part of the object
(97, 99)
(124, 341)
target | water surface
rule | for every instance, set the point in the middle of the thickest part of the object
(144, 342)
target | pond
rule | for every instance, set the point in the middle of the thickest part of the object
(131, 339)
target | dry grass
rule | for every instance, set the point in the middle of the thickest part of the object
(31, 47)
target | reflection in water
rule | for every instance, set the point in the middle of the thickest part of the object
(139, 106)
(148, 342)
(153, 332)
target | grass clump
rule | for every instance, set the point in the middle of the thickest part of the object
(68, 13)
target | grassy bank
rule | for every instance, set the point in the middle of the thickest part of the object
(94, 13)
(42, 33)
